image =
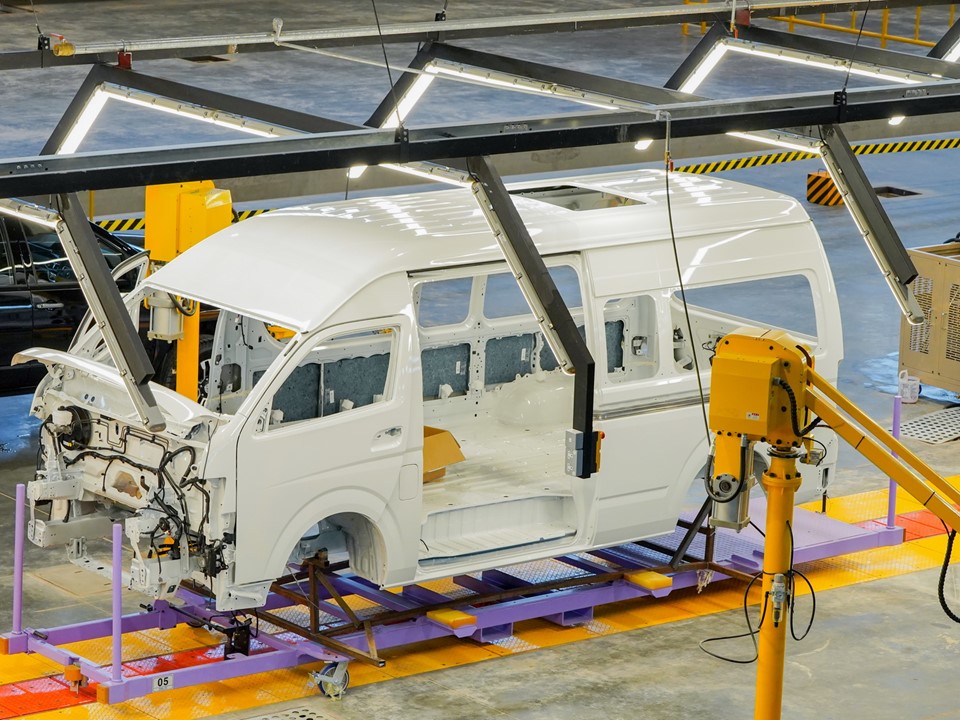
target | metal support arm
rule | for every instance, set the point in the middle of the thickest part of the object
(552, 314)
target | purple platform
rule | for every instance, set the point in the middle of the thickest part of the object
(817, 537)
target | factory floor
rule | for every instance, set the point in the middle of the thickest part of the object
(880, 647)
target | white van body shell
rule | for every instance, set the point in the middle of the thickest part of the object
(352, 275)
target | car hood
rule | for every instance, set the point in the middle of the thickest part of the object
(99, 388)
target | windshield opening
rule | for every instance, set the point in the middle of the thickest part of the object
(235, 349)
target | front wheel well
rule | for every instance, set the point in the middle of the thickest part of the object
(348, 532)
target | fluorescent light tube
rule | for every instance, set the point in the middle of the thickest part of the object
(84, 122)
(704, 68)
(781, 139)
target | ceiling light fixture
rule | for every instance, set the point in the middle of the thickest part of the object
(782, 139)
(98, 100)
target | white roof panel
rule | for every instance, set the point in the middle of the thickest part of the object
(297, 265)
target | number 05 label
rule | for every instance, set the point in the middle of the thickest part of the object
(162, 682)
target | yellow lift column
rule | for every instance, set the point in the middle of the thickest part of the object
(177, 217)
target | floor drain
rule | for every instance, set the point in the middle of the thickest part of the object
(297, 713)
(888, 191)
(935, 428)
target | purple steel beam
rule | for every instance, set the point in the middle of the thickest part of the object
(19, 511)
(117, 602)
(619, 558)
(892, 492)
(503, 581)
(478, 586)
(584, 564)
(365, 589)
(136, 686)
(425, 596)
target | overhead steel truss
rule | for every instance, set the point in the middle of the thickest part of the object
(632, 111)
(317, 151)
(441, 29)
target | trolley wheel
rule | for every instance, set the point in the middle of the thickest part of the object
(328, 685)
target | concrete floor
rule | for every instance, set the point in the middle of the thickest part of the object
(878, 650)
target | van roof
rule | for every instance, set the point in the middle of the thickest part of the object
(297, 265)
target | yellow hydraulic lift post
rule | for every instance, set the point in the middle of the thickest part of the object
(764, 389)
(177, 217)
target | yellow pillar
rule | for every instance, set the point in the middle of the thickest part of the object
(178, 216)
(781, 482)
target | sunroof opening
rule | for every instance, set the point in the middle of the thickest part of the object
(576, 198)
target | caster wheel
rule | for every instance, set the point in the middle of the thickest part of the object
(329, 684)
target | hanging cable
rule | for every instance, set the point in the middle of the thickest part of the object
(856, 45)
(668, 168)
(383, 48)
(751, 633)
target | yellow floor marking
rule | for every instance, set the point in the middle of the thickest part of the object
(14, 668)
(279, 685)
(863, 506)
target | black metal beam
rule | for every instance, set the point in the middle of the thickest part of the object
(400, 88)
(848, 51)
(100, 74)
(615, 20)
(950, 38)
(96, 171)
(615, 89)
(537, 277)
(702, 49)
(883, 237)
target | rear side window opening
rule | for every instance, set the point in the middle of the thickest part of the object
(478, 333)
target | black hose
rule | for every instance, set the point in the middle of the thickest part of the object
(943, 578)
(793, 411)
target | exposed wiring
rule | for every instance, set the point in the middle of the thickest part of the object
(762, 533)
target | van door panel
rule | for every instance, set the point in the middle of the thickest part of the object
(329, 439)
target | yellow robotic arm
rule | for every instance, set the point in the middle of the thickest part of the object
(764, 388)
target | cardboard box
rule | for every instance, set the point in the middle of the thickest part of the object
(440, 449)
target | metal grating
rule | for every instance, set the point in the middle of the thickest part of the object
(953, 325)
(920, 334)
(296, 713)
(515, 644)
(935, 428)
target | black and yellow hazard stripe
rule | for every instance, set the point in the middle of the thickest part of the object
(822, 190)
(122, 225)
(782, 157)
(745, 162)
(138, 223)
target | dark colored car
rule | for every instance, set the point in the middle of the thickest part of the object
(41, 303)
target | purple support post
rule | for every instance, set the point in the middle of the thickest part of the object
(117, 602)
(18, 558)
(892, 493)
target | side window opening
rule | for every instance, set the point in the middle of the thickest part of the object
(338, 375)
(477, 333)
(784, 303)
